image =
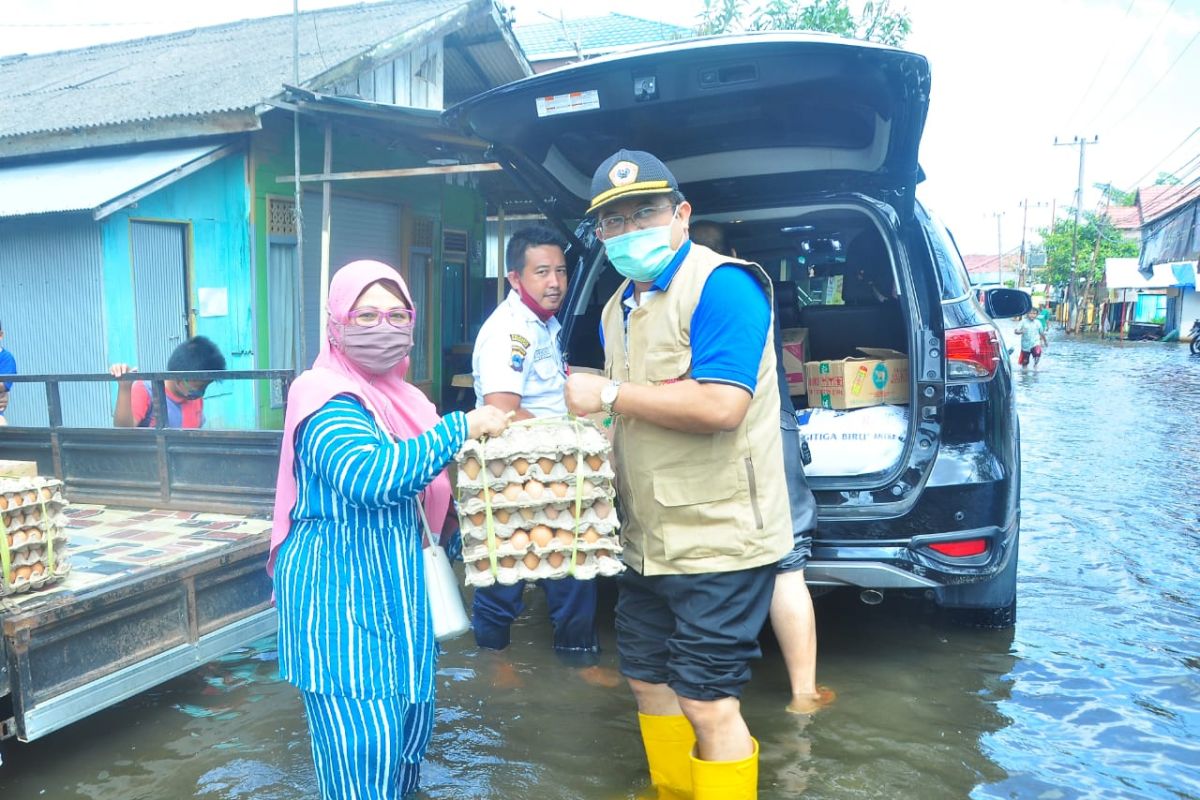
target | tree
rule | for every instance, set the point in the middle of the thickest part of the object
(1115, 196)
(1057, 242)
(1166, 179)
(876, 23)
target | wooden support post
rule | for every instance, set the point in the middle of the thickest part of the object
(501, 269)
(326, 222)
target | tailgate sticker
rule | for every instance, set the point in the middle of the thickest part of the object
(568, 103)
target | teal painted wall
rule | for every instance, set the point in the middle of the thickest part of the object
(214, 204)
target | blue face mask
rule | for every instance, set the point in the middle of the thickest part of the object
(642, 255)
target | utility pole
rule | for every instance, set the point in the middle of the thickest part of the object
(1021, 268)
(999, 250)
(1081, 143)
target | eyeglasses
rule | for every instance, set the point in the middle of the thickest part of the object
(615, 224)
(368, 317)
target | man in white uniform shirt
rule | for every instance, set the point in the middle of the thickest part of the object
(518, 366)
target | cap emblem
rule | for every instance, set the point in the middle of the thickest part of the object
(623, 173)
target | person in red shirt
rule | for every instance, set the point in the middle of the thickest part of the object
(185, 399)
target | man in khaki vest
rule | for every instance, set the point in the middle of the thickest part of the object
(690, 384)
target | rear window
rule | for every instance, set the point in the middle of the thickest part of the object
(952, 275)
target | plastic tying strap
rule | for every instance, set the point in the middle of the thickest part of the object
(5, 555)
(48, 532)
(489, 524)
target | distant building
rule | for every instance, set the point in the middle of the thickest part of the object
(552, 44)
(146, 192)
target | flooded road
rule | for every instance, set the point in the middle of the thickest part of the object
(1095, 693)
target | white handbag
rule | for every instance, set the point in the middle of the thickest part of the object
(445, 600)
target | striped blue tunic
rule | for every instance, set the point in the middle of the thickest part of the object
(349, 579)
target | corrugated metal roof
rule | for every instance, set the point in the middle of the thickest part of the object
(1122, 273)
(235, 66)
(86, 184)
(594, 35)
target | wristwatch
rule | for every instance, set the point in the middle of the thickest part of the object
(608, 396)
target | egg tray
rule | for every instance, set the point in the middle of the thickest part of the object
(473, 551)
(549, 437)
(33, 539)
(470, 503)
(24, 493)
(32, 519)
(478, 573)
(505, 522)
(500, 473)
(12, 584)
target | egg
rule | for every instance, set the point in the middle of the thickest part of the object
(512, 491)
(22, 573)
(535, 489)
(580, 557)
(601, 507)
(564, 537)
(519, 540)
(546, 464)
(31, 496)
(3, 501)
(482, 564)
(502, 515)
(19, 538)
(470, 468)
(527, 514)
(496, 466)
(594, 461)
(570, 462)
(37, 569)
(555, 560)
(558, 489)
(541, 535)
(602, 554)
(591, 536)
(551, 512)
(508, 562)
(478, 518)
(531, 560)
(46, 494)
(521, 465)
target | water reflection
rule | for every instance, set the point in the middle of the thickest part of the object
(1096, 693)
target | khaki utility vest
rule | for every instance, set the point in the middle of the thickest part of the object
(694, 502)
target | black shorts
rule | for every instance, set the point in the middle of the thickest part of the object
(695, 633)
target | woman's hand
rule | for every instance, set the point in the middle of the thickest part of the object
(486, 421)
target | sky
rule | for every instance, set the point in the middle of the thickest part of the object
(1008, 77)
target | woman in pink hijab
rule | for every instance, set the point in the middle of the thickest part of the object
(361, 447)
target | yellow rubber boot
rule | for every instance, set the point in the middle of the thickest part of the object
(726, 780)
(669, 743)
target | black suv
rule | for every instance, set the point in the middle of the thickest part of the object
(804, 147)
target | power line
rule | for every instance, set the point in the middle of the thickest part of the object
(74, 24)
(1095, 75)
(1129, 114)
(1163, 160)
(1132, 64)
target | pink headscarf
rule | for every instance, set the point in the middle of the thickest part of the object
(398, 406)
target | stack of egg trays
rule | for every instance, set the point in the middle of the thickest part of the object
(33, 538)
(530, 477)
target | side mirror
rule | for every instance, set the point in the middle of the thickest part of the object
(1002, 303)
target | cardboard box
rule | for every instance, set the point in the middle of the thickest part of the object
(845, 383)
(18, 469)
(896, 390)
(794, 342)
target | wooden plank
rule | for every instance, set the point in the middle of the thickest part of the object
(406, 172)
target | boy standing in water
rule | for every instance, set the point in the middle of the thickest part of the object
(1033, 339)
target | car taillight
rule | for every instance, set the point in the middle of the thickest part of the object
(972, 352)
(961, 549)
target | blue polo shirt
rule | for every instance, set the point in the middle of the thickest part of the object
(8, 366)
(729, 324)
